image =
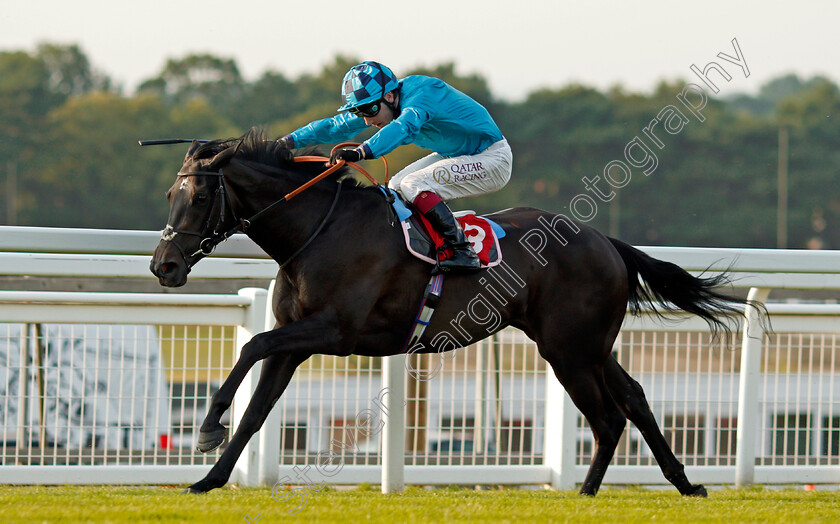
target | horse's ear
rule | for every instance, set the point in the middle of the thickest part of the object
(222, 158)
(192, 149)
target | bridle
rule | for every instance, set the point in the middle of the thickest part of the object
(209, 242)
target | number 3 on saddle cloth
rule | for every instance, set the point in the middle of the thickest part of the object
(424, 242)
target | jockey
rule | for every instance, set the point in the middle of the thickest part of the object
(470, 156)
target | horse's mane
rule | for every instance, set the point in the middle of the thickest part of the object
(254, 147)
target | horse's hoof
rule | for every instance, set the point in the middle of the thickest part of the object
(210, 440)
(192, 491)
(697, 491)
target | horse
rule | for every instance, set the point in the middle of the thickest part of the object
(347, 285)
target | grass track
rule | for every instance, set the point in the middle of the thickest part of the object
(151, 504)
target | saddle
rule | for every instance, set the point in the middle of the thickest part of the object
(425, 243)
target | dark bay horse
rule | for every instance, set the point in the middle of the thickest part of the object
(355, 289)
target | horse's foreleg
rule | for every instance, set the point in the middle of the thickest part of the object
(276, 374)
(631, 398)
(314, 334)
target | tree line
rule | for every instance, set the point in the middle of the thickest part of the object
(69, 153)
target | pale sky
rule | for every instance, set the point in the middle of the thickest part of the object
(518, 46)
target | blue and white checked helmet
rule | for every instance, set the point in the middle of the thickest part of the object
(366, 83)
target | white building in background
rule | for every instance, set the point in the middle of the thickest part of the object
(104, 386)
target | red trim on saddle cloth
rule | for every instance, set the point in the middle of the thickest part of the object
(477, 230)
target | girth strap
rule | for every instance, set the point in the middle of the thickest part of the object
(431, 297)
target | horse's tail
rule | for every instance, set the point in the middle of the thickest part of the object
(671, 288)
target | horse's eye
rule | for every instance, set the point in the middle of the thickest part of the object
(201, 198)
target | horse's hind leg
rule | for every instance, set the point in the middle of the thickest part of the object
(275, 376)
(631, 398)
(585, 384)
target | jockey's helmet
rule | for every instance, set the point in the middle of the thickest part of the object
(365, 83)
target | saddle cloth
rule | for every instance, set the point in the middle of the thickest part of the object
(424, 242)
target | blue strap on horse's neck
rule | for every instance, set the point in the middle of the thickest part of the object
(427, 308)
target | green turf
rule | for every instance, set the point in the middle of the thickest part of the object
(151, 504)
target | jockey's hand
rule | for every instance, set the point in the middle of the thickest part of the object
(286, 142)
(348, 155)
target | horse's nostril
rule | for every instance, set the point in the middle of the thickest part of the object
(166, 268)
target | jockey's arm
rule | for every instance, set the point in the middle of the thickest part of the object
(340, 127)
(400, 131)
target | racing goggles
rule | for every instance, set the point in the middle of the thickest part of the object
(369, 110)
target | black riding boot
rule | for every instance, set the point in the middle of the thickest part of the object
(464, 258)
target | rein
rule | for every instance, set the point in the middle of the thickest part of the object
(209, 243)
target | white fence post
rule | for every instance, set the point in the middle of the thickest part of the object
(560, 433)
(247, 470)
(480, 437)
(269, 435)
(393, 438)
(748, 415)
(23, 387)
